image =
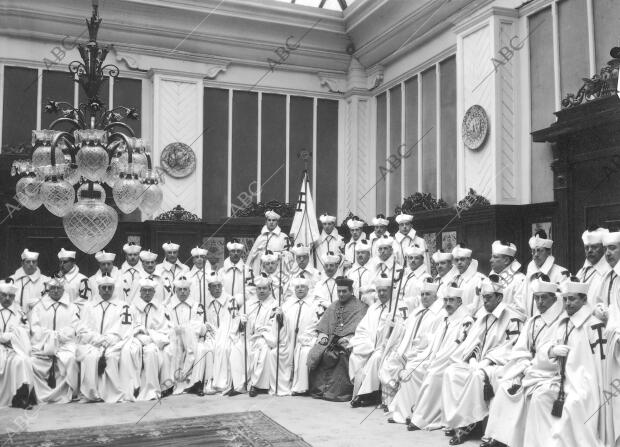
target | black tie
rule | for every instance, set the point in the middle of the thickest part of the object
(147, 310)
(55, 306)
(611, 283)
(104, 310)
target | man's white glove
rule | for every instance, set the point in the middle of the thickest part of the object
(559, 351)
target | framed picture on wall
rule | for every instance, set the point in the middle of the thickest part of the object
(545, 226)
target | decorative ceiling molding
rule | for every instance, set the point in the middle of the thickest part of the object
(375, 76)
(333, 83)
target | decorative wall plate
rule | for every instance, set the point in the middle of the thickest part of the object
(178, 160)
(475, 127)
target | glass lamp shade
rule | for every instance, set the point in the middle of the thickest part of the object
(72, 174)
(58, 196)
(101, 195)
(28, 192)
(138, 161)
(151, 199)
(90, 224)
(92, 162)
(42, 156)
(127, 194)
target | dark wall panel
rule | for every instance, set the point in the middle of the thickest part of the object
(215, 153)
(574, 50)
(273, 148)
(606, 13)
(327, 156)
(448, 130)
(57, 86)
(381, 154)
(19, 107)
(410, 152)
(301, 116)
(244, 146)
(104, 94)
(128, 93)
(393, 163)
(429, 141)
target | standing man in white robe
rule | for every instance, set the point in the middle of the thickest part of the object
(445, 271)
(407, 236)
(595, 267)
(170, 268)
(234, 271)
(413, 338)
(16, 381)
(380, 224)
(417, 402)
(131, 272)
(258, 324)
(297, 323)
(350, 249)
(468, 384)
(329, 242)
(53, 324)
(504, 265)
(302, 268)
(542, 262)
(467, 277)
(368, 345)
(575, 351)
(106, 268)
(149, 351)
(523, 372)
(362, 275)
(148, 261)
(29, 281)
(325, 291)
(199, 273)
(271, 238)
(105, 327)
(610, 287)
(611, 314)
(415, 274)
(385, 263)
(75, 284)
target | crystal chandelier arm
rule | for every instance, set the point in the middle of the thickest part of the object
(58, 121)
(119, 124)
(68, 139)
(128, 143)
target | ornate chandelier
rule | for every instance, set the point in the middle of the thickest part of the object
(102, 149)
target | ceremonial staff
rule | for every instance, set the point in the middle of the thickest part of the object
(279, 327)
(245, 336)
(391, 288)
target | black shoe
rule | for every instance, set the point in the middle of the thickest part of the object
(408, 421)
(195, 388)
(462, 434)
(492, 443)
(20, 400)
(356, 402)
(136, 392)
(167, 392)
(253, 391)
(449, 432)
(412, 427)
(391, 421)
(233, 392)
(294, 393)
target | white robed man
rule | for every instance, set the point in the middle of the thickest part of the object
(16, 381)
(368, 345)
(542, 262)
(611, 314)
(523, 372)
(104, 328)
(325, 290)
(170, 268)
(380, 224)
(329, 241)
(421, 380)
(221, 316)
(610, 287)
(385, 263)
(53, 324)
(106, 268)
(29, 280)
(148, 351)
(188, 341)
(411, 338)
(504, 265)
(595, 267)
(234, 271)
(445, 271)
(467, 277)
(131, 271)
(270, 267)
(297, 322)
(573, 357)
(405, 237)
(271, 238)
(148, 261)
(302, 269)
(415, 274)
(198, 274)
(75, 283)
(362, 275)
(356, 227)
(258, 324)
(468, 384)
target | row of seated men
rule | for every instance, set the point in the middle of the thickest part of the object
(450, 351)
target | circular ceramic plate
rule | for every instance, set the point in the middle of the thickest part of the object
(178, 160)
(475, 127)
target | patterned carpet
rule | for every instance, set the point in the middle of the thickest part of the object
(251, 429)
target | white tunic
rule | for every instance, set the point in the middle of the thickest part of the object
(411, 285)
(512, 280)
(15, 363)
(232, 276)
(469, 281)
(328, 242)
(221, 314)
(130, 276)
(53, 327)
(77, 287)
(525, 295)
(325, 290)
(403, 241)
(118, 285)
(30, 288)
(350, 249)
(168, 273)
(297, 336)
(597, 277)
(275, 241)
(363, 286)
